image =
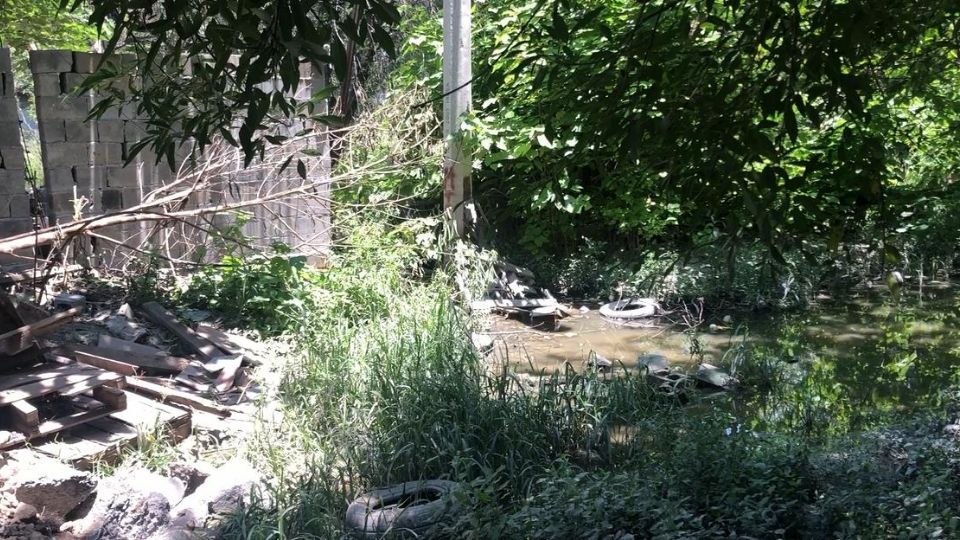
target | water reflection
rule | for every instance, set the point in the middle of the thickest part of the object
(831, 367)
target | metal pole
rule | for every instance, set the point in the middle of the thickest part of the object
(457, 73)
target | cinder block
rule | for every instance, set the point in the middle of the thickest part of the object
(62, 204)
(68, 108)
(52, 131)
(133, 130)
(6, 85)
(108, 153)
(9, 133)
(122, 176)
(47, 85)
(77, 131)
(110, 131)
(66, 154)
(51, 61)
(10, 227)
(12, 158)
(9, 109)
(20, 206)
(85, 62)
(5, 59)
(59, 180)
(128, 111)
(70, 81)
(89, 179)
(111, 199)
(11, 181)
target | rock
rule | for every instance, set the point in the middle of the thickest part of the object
(24, 512)
(51, 486)
(653, 362)
(714, 376)
(191, 474)
(132, 504)
(727, 319)
(482, 342)
(231, 485)
(124, 328)
(601, 363)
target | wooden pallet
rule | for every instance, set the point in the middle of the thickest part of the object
(40, 401)
(103, 439)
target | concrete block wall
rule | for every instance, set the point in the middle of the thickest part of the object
(15, 207)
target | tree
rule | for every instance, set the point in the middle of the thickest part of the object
(226, 69)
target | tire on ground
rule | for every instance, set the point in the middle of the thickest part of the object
(630, 308)
(409, 509)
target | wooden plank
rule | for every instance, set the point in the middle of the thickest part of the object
(145, 414)
(176, 396)
(114, 397)
(219, 338)
(66, 385)
(56, 425)
(103, 362)
(161, 316)
(43, 373)
(21, 338)
(143, 356)
(26, 417)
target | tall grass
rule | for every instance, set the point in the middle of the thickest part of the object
(385, 387)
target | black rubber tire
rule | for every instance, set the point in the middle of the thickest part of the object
(630, 308)
(389, 510)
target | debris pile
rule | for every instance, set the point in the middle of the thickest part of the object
(44, 498)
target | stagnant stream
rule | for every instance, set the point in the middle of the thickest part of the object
(849, 356)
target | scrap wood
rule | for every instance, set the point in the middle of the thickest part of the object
(103, 362)
(141, 356)
(65, 385)
(10, 278)
(176, 396)
(232, 343)
(20, 339)
(161, 316)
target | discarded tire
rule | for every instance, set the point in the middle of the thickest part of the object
(631, 308)
(407, 509)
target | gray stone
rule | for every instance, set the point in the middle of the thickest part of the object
(24, 512)
(713, 376)
(231, 485)
(52, 487)
(653, 362)
(51, 61)
(191, 474)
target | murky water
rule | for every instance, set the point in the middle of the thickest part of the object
(865, 352)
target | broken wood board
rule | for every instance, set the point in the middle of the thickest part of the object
(113, 350)
(518, 303)
(20, 339)
(10, 319)
(162, 317)
(179, 397)
(27, 420)
(103, 439)
(65, 380)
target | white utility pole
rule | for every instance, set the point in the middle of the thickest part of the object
(457, 90)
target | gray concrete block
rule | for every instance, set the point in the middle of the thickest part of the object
(70, 81)
(90, 178)
(59, 180)
(20, 206)
(52, 131)
(5, 59)
(128, 111)
(77, 131)
(68, 108)
(51, 61)
(9, 109)
(111, 199)
(122, 176)
(47, 85)
(108, 153)
(6, 85)
(12, 181)
(9, 133)
(10, 227)
(85, 62)
(66, 154)
(133, 130)
(62, 204)
(110, 131)
(12, 158)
